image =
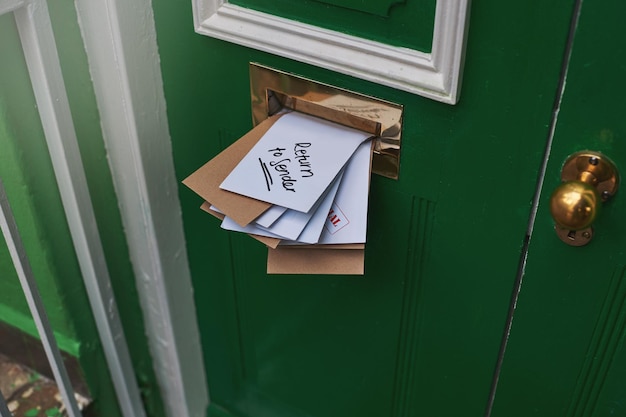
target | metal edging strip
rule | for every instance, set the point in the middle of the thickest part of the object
(35, 304)
(4, 409)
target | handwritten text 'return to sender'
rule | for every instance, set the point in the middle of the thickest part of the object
(287, 167)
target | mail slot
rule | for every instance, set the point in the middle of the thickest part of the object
(273, 90)
(280, 184)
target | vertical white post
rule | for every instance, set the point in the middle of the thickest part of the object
(120, 40)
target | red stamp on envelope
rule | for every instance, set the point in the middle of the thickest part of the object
(336, 220)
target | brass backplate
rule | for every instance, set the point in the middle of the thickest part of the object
(604, 171)
(574, 237)
(273, 90)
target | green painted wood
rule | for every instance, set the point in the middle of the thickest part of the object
(19, 121)
(24, 322)
(566, 353)
(400, 23)
(377, 7)
(26, 170)
(419, 334)
(32, 191)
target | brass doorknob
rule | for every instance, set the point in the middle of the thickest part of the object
(589, 178)
(574, 205)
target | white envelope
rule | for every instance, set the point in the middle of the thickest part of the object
(251, 228)
(270, 216)
(293, 224)
(347, 219)
(295, 161)
(313, 230)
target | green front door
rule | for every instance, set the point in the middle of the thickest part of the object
(566, 355)
(421, 333)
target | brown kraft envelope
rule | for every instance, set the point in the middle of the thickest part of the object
(298, 259)
(268, 241)
(321, 259)
(207, 179)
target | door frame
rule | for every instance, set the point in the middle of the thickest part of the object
(120, 41)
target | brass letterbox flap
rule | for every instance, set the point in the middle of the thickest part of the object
(273, 90)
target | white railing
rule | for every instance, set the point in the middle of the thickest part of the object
(37, 309)
(40, 52)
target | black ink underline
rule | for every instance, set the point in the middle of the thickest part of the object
(266, 173)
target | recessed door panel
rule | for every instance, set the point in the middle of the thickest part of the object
(407, 24)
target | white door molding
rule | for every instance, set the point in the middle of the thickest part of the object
(436, 75)
(120, 40)
(40, 52)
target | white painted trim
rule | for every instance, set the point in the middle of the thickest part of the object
(38, 44)
(120, 40)
(436, 75)
(7, 6)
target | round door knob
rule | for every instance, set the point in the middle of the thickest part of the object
(589, 178)
(574, 205)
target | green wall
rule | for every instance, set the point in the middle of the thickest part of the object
(26, 171)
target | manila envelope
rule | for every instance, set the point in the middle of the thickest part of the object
(207, 179)
(317, 259)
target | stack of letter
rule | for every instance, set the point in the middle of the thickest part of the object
(300, 185)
